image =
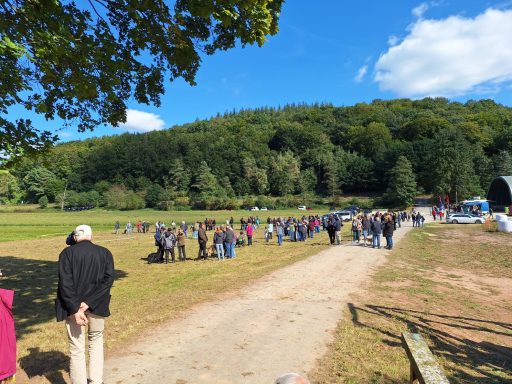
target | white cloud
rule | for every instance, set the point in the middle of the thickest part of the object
(361, 73)
(139, 121)
(393, 40)
(66, 134)
(450, 57)
(420, 10)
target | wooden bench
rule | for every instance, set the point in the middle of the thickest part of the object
(424, 367)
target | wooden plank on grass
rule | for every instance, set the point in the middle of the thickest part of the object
(424, 367)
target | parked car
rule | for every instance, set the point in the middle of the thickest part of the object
(263, 209)
(464, 218)
(255, 209)
(352, 208)
(344, 215)
(301, 208)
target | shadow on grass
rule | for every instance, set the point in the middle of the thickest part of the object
(48, 364)
(474, 361)
(35, 286)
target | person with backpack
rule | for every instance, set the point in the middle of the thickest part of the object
(169, 242)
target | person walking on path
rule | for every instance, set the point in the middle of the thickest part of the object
(117, 226)
(86, 274)
(202, 239)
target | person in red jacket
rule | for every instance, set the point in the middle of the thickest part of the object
(7, 336)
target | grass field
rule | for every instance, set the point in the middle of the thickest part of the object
(451, 283)
(30, 267)
(32, 223)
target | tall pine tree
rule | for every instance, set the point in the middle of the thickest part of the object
(402, 184)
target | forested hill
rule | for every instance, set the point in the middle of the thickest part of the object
(297, 149)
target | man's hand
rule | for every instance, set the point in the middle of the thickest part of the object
(83, 307)
(80, 318)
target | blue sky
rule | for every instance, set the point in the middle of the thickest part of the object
(345, 52)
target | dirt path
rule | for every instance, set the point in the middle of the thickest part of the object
(281, 323)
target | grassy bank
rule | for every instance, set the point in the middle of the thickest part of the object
(143, 296)
(453, 284)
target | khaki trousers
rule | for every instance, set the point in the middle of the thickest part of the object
(76, 338)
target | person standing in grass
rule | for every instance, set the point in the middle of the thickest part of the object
(202, 239)
(250, 231)
(86, 274)
(181, 238)
(169, 242)
(218, 240)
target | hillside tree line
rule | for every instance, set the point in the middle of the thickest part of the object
(395, 149)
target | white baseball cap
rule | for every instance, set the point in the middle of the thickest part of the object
(83, 230)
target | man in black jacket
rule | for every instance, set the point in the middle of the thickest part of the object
(86, 274)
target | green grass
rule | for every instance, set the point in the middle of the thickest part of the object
(39, 223)
(143, 294)
(450, 283)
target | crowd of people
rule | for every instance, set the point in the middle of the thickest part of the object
(367, 229)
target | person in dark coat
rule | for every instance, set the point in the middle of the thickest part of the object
(389, 227)
(202, 239)
(86, 274)
(331, 230)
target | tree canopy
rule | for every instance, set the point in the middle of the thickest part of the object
(326, 151)
(81, 61)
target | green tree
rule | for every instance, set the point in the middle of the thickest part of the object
(154, 195)
(285, 174)
(401, 187)
(43, 202)
(205, 182)
(502, 163)
(178, 177)
(10, 191)
(369, 140)
(38, 182)
(82, 61)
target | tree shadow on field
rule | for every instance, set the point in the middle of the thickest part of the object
(49, 364)
(35, 286)
(474, 361)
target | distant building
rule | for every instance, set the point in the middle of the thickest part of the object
(500, 193)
